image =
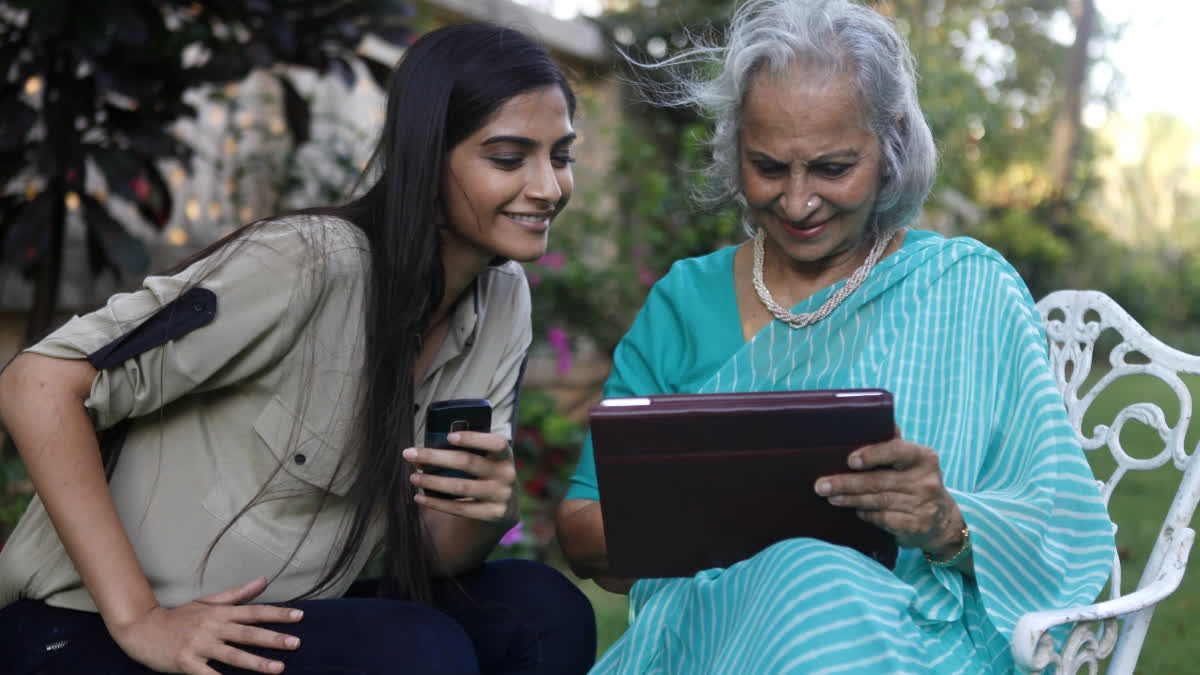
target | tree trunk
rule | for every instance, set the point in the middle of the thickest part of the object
(49, 268)
(1064, 148)
(66, 174)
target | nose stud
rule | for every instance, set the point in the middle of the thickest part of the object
(812, 203)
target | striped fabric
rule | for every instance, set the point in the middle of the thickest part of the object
(950, 329)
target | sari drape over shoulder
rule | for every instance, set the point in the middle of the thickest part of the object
(951, 330)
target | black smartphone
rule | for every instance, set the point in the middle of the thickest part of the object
(444, 417)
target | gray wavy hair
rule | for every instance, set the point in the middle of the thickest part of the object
(827, 36)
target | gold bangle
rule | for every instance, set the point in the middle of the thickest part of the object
(952, 561)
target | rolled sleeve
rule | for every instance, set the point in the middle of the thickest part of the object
(266, 285)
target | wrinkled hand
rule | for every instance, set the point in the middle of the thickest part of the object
(184, 639)
(898, 486)
(490, 496)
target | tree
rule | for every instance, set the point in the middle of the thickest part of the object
(1068, 123)
(97, 86)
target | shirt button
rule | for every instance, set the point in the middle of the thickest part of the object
(199, 307)
(300, 458)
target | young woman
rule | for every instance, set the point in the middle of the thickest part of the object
(271, 397)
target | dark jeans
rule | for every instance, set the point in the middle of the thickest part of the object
(520, 617)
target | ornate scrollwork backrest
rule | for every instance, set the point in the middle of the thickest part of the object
(1074, 320)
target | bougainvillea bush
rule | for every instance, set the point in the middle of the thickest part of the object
(546, 446)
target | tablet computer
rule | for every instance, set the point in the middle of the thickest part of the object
(694, 481)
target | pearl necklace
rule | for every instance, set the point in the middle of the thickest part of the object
(808, 318)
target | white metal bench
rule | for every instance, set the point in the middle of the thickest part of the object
(1117, 626)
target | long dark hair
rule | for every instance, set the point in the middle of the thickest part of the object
(446, 87)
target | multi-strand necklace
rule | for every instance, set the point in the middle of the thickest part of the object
(808, 318)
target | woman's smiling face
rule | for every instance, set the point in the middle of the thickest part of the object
(810, 167)
(504, 184)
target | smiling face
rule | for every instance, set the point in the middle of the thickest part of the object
(503, 184)
(810, 168)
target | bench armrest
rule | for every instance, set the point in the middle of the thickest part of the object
(1029, 640)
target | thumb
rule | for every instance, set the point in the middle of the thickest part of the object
(238, 594)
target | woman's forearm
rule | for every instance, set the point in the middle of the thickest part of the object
(580, 527)
(460, 544)
(41, 406)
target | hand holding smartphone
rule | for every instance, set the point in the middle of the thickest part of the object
(444, 417)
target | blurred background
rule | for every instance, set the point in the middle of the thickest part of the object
(134, 132)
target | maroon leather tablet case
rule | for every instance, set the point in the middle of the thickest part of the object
(695, 481)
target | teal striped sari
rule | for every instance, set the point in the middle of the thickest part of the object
(951, 330)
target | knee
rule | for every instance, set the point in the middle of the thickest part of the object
(543, 589)
(549, 602)
(379, 636)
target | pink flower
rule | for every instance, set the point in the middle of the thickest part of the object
(533, 278)
(514, 536)
(561, 343)
(553, 260)
(646, 276)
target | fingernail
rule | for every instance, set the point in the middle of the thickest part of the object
(277, 666)
(409, 453)
(414, 478)
(293, 642)
(823, 487)
(454, 438)
(855, 462)
(297, 614)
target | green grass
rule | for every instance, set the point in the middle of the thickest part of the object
(1139, 505)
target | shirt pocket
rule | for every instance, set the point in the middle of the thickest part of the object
(303, 477)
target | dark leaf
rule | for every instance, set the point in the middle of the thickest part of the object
(48, 18)
(130, 27)
(259, 54)
(343, 70)
(10, 55)
(123, 251)
(225, 65)
(386, 9)
(156, 207)
(120, 169)
(348, 31)
(155, 143)
(9, 207)
(283, 34)
(16, 119)
(141, 89)
(46, 161)
(380, 72)
(27, 237)
(11, 164)
(397, 34)
(296, 110)
(96, 257)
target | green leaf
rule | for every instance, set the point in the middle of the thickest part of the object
(123, 251)
(119, 169)
(27, 237)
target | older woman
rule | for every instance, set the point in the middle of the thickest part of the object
(820, 138)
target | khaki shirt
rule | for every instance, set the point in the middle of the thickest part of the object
(216, 415)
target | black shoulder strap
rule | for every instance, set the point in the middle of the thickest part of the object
(196, 307)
